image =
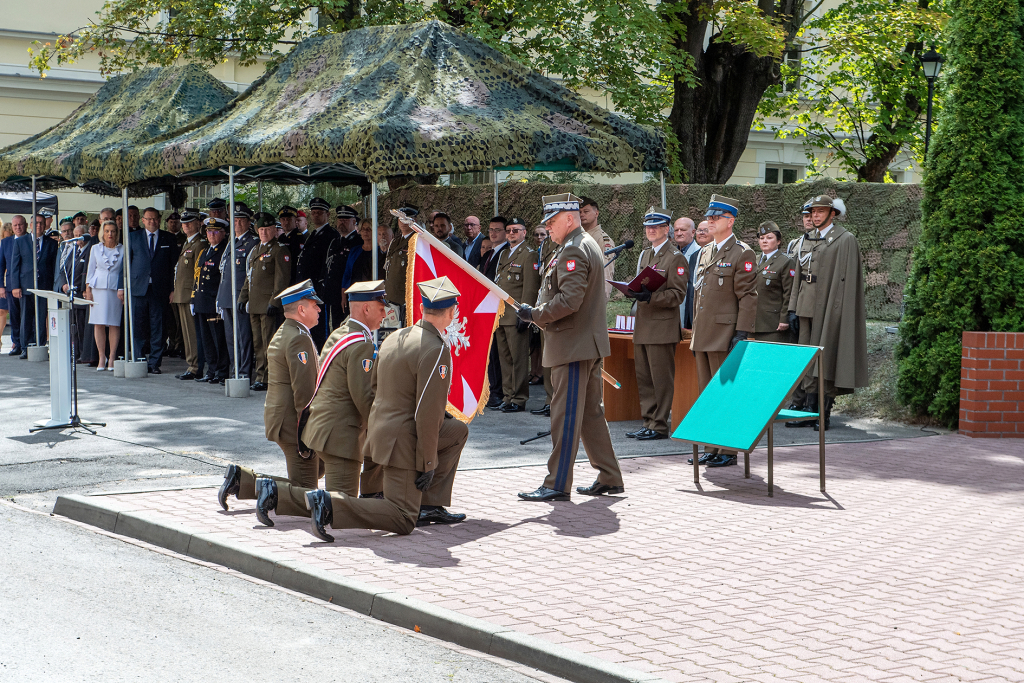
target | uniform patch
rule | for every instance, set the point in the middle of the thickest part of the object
(792, 273)
(570, 265)
(536, 266)
(748, 266)
(287, 258)
(367, 364)
(442, 370)
(303, 357)
(680, 271)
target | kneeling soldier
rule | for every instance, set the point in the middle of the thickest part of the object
(292, 381)
(409, 432)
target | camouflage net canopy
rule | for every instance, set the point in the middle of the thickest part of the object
(886, 218)
(127, 111)
(411, 100)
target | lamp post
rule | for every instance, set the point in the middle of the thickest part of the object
(931, 62)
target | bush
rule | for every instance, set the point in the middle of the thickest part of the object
(968, 269)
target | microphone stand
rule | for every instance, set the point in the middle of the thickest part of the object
(75, 421)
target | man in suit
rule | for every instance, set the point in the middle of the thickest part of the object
(496, 232)
(571, 309)
(228, 292)
(444, 230)
(475, 236)
(313, 259)
(701, 237)
(153, 253)
(20, 226)
(658, 327)
(725, 301)
(292, 382)
(42, 250)
(72, 267)
(184, 281)
(409, 433)
(518, 275)
(682, 234)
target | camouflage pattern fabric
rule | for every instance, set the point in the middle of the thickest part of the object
(417, 99)
(125, 112)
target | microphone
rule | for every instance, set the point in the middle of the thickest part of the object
(628, 244)
(77, 239)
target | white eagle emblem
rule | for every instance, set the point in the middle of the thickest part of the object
(456, 335)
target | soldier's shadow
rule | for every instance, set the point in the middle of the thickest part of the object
(429, 546)
(594, 517)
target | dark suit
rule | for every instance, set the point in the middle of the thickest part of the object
(13, 305)
(453, 243)
(73, 260)
(209, 322)
(473, 250)
(312, 262)
(688, 313)
(21, 272)
(152, 282)
(227, 300)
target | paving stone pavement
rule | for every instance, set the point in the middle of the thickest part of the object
(911, 568)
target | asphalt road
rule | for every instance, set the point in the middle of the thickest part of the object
(76, 605)
(162, 432)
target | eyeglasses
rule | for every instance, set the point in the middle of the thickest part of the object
(471, 225)
(515, 230)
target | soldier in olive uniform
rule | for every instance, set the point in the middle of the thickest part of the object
(204, 302)
(658, 328)
(725, 301)
(396, 262)
(775, 274)
(517, 275)
(571, 309)
(313, 259)
(184, 280)
(268, 271)
(340, 410)
(292, 237)
(292, 359)
(828, 298)
(337, 257)
(545, 252)
(409, 433)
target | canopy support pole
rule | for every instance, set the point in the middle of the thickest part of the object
(496, 192)
(375, 244)
(129, 342)
(35, 267)
(259, 194)
(231, 264)
(664, 201)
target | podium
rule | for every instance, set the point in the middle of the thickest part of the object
(63, 372)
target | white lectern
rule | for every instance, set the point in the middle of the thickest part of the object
(63, 368)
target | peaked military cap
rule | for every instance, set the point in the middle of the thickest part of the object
(438, 293)
(298, 292)
(370, 290)
(653, 217)
(557, 203)
(516, 221)
(822, 200)
(721, 205)
(242, 211)
(215, 224)
(264, 219)
(410, 210)
(217, 203)
(45, 211)
(287, 212)
(769, 227)
(346, 211)
(319, 203)
(189, 215)
(806, 208)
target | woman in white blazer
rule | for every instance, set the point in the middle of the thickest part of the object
(105, 263)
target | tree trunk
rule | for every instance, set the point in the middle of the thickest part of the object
(712, 120)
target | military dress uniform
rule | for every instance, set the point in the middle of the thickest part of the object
(312, 262)
(571, 309)
(184, 280)
(268, 270)
(545, 253)
(334, 267)
(227, 299)
(775, 275)
(339, 413)
(725, 300)
(519, 278)
(657, 331)
(395, 268)
(204, 301)
(408, 433)
(294, 240)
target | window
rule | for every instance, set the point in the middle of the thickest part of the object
(781, 175)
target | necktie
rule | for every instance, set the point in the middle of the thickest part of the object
(152, 243)
(714, 251)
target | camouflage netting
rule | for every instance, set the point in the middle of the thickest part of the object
(410, 100)
(125, 112)
(885, 218)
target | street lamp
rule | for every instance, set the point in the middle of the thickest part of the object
(931, 62)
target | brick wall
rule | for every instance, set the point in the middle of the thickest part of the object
(992, 384)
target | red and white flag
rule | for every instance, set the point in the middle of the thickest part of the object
(481, 303)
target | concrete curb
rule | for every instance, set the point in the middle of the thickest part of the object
(389, 606)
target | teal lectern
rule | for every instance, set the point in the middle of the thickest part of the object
(745, 397)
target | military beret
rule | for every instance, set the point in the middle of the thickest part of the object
(319, 203)
(80, 213)
(720, 205)
(217, 203)
(516, 221)
(346, 211)
(66, 219)
(264, 219)
(287, 212)
(174, 216)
